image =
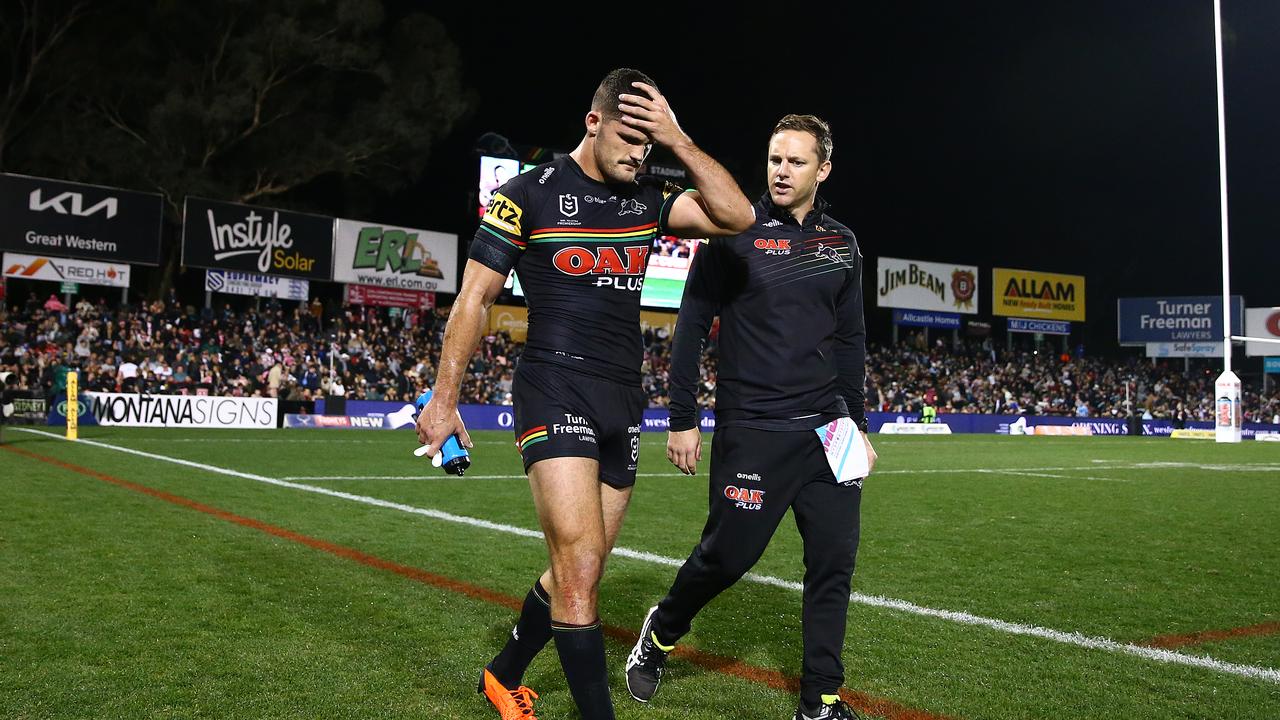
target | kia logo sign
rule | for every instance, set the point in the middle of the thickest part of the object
(57, 203)
(1273, 324)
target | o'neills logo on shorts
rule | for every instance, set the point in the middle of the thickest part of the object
(745, 498)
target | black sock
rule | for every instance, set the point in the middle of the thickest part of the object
(531, 633)
(581, 649)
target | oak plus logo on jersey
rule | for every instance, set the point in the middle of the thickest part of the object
(72, 203)
(774, 246)
(620, 270)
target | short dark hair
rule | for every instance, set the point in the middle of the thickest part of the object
(815, 126)
(617, 82)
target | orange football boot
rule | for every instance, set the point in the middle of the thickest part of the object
(511, 704)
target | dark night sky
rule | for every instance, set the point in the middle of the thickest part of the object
(1079, 137)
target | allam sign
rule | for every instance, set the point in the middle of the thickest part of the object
(247, 238)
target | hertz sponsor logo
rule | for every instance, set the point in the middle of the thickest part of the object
(503, 214)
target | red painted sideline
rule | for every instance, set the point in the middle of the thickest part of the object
(1170, 642)
(718, 663)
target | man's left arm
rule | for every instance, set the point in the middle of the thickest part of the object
(851, 349)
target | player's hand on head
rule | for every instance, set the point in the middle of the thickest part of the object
(684, 449)
(648, 111)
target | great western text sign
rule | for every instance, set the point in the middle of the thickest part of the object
(66, 219)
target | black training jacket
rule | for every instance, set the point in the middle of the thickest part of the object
(792, 342)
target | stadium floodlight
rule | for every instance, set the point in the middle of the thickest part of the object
(1227, 417)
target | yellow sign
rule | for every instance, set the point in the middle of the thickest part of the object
(653, 319)
(1030, 294)
(73, 405)
(511, 318)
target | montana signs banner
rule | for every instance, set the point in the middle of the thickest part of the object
(64, 270)
(66, 219)
(1030, 294)
(228, 236)
(196, 411)
(916, 285)
(395, 257)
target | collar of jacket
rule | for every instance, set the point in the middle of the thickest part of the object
(773, 211)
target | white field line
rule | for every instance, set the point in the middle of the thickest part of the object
(1028, 472)
(1213, 467)
(1076, 639)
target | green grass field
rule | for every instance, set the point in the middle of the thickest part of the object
(383, 603)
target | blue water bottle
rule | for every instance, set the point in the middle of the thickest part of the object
(456, 459)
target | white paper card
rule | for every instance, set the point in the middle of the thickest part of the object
(846, 452)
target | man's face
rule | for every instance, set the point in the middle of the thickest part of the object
(793, 169)
(619, 149)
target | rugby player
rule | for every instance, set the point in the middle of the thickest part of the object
(578, 232)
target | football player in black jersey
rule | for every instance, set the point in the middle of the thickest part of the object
(578, 231)
(792, 352)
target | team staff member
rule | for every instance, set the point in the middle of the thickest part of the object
(792, 351)
(578, 232)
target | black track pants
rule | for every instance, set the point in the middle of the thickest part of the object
(756, 475)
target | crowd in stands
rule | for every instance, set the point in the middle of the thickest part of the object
(164, 347)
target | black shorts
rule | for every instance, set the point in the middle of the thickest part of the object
(559, 413)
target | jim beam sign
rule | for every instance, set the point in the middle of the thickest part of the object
(917, 285)
(229, 236)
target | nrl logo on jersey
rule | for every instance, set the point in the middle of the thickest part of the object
(568, 205)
